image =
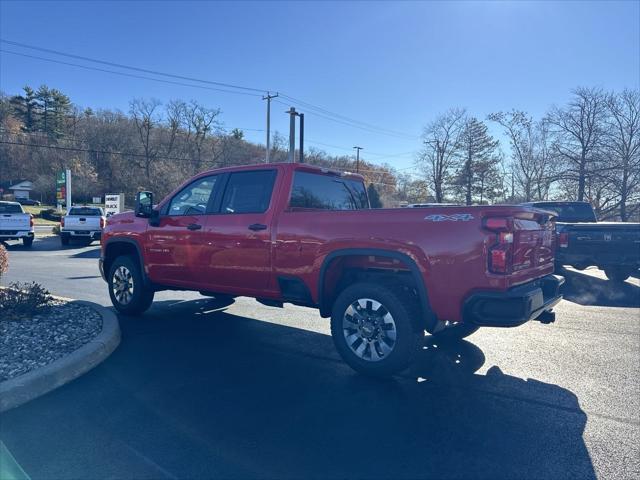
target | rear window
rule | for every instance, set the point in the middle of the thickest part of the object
(85, 211)
(325, 192)
(571, 212)
(10, 208)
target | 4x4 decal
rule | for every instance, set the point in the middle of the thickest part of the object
(456, 217)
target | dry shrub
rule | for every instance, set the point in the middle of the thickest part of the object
(23, 301)
(4, 260)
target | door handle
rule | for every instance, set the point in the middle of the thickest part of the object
(257, 226)
(194, 226)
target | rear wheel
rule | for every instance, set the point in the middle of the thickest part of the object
(64, 239)
(374, 328)
(455, 332)
(127, 290)
(27, 241)
(618, 274)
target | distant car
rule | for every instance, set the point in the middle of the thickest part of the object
(15, 223)
(28, 201)
(82, 222)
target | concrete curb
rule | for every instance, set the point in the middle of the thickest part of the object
(22, 389)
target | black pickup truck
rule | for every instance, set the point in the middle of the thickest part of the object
(582, 241)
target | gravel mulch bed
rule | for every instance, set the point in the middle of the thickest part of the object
(28, 344)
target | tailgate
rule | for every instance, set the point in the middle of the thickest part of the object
(82, 223)
(15, 221)
(533, 247)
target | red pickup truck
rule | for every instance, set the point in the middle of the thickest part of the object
(304, 235)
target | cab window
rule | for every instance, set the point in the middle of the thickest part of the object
(194, 198)
(248, 192)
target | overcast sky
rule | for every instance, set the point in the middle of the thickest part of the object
(392, 65)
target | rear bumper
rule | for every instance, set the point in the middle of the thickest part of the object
(16, 235)
(516, 306)
(93, 234)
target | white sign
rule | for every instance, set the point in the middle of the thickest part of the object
(96, 200)
(113, 203)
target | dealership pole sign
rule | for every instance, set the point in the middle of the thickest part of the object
(113, 203)
(61, 188)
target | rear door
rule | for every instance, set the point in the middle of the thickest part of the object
(173, 248)
(236, 255)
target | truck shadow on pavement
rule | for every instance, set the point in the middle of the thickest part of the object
(587, 290)
(196, 392)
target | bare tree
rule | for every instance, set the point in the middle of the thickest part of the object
(622, 140)
(201, 121)
(441, 144)
(545, 166)
(145, 119)
(176, 114)
(578, 129)
(519, 129)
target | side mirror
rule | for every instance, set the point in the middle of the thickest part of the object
(144, 204)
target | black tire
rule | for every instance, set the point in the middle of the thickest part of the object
(27, 241)
(125, 274)
(404, 312)
(455, 333)
(617, 274)
(64, 240)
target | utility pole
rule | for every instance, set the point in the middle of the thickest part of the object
(268, 99)
(357, 149)
(301, 137)
(292, 134)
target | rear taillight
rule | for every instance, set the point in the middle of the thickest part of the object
(62, 222)
(563, 240)
(102, 222)
(31, 221)
(500, 254)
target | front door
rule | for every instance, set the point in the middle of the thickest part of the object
(237, 251)
(174, 247)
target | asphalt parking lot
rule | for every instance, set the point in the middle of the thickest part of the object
(200, 388)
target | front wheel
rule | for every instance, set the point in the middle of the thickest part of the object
(127, 290)
(374, 328)
(617, 274)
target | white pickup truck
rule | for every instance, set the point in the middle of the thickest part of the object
(15, 223)
(85, 223)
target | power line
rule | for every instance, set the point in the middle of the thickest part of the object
(348, 124)
(351, 120)
(318, 111)
(91, 150)
(155, 157)
(124, 74)
(129, 67)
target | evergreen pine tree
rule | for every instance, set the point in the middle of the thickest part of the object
(477, 159)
